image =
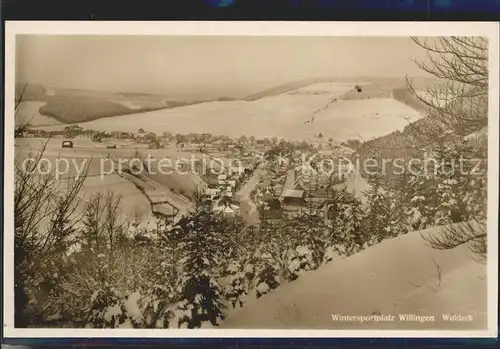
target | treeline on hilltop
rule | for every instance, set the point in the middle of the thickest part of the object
(73, 106)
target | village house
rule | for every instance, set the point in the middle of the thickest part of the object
(121, 135)
(140, 136)
(88, 133)
(210, 148)
(321, 144)
(293, 197)
(222, 179)
(260, 144)
(271, 209)
(212, 193)
(315, 184)
(228, 210)
(29, 134)
(235, 171)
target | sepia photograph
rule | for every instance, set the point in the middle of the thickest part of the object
(251, 179)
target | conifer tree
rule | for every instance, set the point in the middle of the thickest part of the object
(457, 107)
(306, 234)
(201, 294)
(377, 223)
(344, 231)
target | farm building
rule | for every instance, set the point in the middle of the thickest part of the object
(293, 197)
(67, 144)
(227, 210)
(222, 179)
(235, 170)
(211, 193)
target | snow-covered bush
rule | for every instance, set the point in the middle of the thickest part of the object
(379, 221)
(200, 294)
(268, 274)
(202, 301)
(449, 188)
(237, 291)
(332, 254)
(300, 260)
(39, 249)
(344, 228)
(238, 286)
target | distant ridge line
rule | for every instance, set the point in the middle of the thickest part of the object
(294, 85)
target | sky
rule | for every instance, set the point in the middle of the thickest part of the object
(205, 65)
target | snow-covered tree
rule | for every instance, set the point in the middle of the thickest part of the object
(423, 200)
(457, 107)
(378, 221)
(39, 252)
(398, 196)
(461, 189)
(344, 228)
(237, 288)
(306, 236)
(200, 244)
(202, 296)
(241, 270)
(461, 182)
(269, 256)
(267, 276)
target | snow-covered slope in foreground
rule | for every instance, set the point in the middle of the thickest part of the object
(398, 276)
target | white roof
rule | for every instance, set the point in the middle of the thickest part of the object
(291, 193)
(227, 209)
(212, 191)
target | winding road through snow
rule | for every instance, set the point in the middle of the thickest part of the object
(248, 209)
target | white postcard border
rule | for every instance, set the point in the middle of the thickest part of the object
(485, 29)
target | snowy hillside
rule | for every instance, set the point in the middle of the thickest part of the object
(398, 276)
(284, 115)
(28, 112)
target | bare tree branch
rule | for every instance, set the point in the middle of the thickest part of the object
(472, 233)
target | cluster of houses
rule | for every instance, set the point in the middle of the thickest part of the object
(196, 143)
(222, 188)
(304, 185)
(294, 186)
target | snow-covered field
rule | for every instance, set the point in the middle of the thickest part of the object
(337, 88)
(127, 104)
(133, 204)
(27, 112)
(100, 179)
(283, 115)
(398, 276)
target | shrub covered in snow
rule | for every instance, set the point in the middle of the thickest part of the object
(204, 296)
(238, 286)
(267, 275)
(300, 260)
(344, 230)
